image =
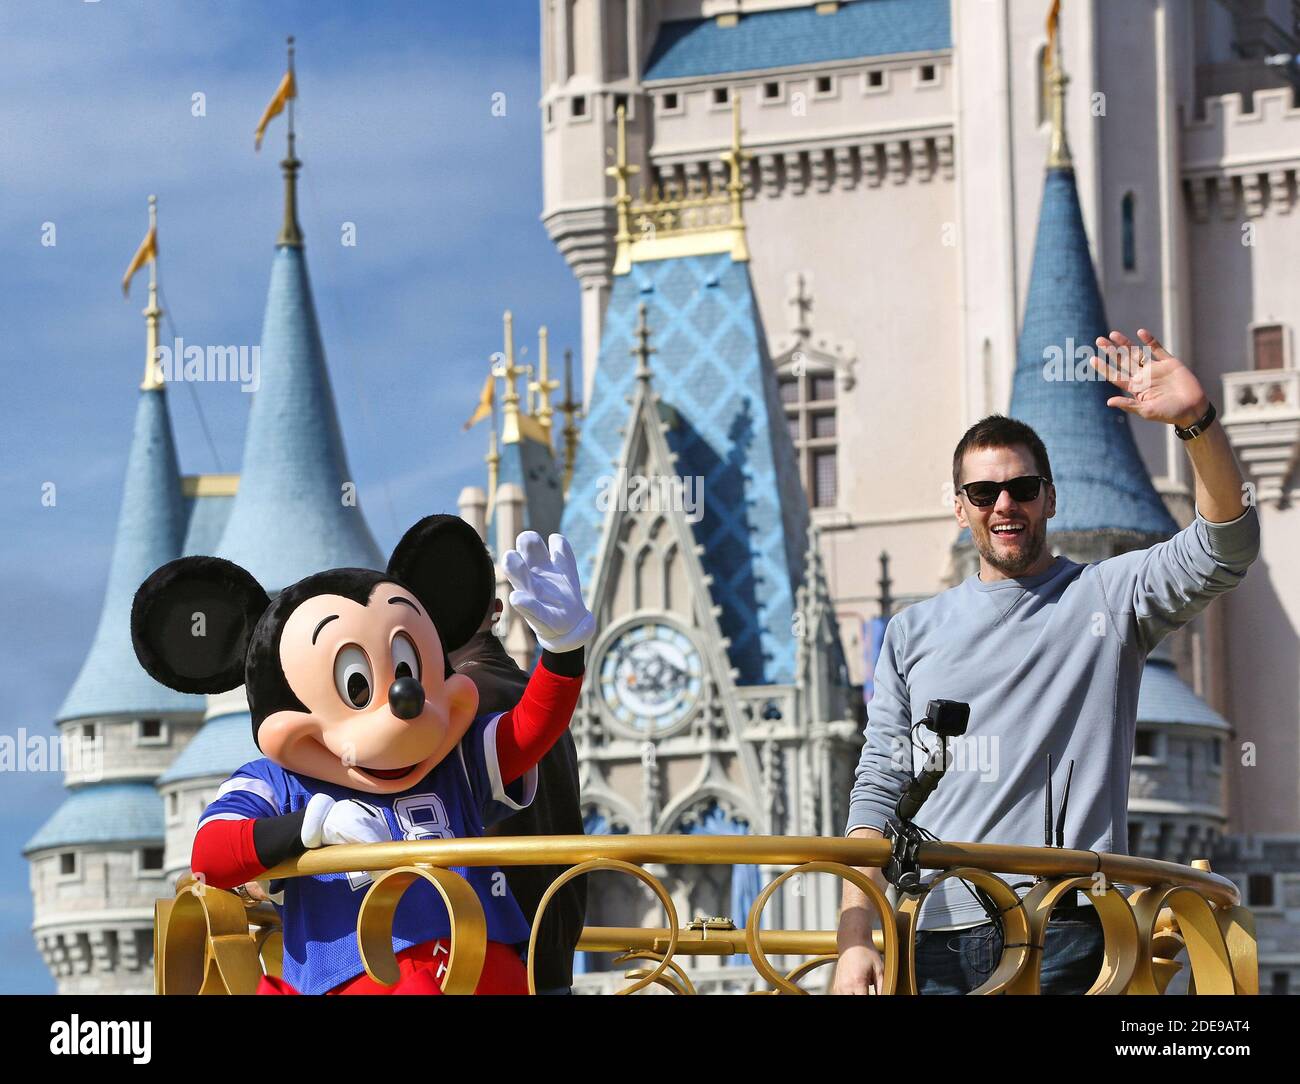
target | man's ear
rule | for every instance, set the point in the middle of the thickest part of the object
(1051, 500)
(960, 510)
(191, 622)
(444, 563)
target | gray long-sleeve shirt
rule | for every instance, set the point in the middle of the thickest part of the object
(1049, 664)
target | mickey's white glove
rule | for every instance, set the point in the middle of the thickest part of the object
(547, 592)
(328, 822)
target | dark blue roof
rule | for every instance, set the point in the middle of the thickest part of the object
(221, 745)
(711, 366)
(1101, 482)
(1164, 698)
(687, 48)
(104, 813)
(150, 526)
(289, 518)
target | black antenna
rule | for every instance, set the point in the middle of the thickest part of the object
(1065, 801)
(1047, 806)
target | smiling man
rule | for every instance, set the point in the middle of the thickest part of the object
(1049, 654)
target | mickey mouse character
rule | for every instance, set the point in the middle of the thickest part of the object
(367, 732)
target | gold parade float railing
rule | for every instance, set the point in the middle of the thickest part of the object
(210, 941)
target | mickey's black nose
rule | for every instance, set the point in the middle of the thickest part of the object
(406, 698)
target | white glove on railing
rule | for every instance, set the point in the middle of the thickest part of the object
(547, 592)
(328, 822)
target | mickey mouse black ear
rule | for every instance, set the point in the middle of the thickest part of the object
(445, 563)
(191, 623)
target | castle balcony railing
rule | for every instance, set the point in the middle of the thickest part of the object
(1261, 415)
(209, 941)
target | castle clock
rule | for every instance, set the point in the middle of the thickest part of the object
(650, 679)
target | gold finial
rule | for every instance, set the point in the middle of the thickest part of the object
(621, 171)
(153, 375)
(543, 385)
(643, 349)
(510, 431)
(290, 231)
(736, 158)
(571, 409)
(1058, 156)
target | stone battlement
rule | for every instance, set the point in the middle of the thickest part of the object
(1232, 139)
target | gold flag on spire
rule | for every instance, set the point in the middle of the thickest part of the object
(1053, 23)
(485, 400)
(146, 253)
(286, 90)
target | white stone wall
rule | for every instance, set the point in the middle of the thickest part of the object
(1243, 234)
(183, 805)
(94, 927)
(121, 749)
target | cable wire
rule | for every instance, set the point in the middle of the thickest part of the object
(194, 397)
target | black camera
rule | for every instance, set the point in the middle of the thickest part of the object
(948, 719)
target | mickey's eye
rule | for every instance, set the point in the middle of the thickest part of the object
(406, 660)
(352, 676)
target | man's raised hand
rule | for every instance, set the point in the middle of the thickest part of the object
(1160, 387)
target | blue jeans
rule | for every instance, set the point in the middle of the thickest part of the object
(957, 961)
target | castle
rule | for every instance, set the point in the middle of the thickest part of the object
(813, 242)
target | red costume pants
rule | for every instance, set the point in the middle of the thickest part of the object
(422, 968)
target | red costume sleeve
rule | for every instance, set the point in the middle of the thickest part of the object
(224, 854)
(531, 727)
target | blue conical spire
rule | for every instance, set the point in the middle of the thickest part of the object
(150, 528)
(1101, 481)
(296, 511)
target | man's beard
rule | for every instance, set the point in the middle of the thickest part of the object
(1011, 564)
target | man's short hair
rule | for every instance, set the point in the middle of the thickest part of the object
(998, 431)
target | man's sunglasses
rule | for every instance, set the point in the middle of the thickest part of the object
(1023, 490)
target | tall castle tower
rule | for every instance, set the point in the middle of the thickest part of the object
(97, 863)
(296, 511)
(125, 831)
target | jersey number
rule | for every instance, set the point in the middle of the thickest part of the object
(423, 816)
(419, 816)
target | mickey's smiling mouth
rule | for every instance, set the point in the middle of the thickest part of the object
(388, 773)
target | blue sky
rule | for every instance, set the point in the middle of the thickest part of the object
(397, 135)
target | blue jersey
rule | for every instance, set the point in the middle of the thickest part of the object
(457, 799)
